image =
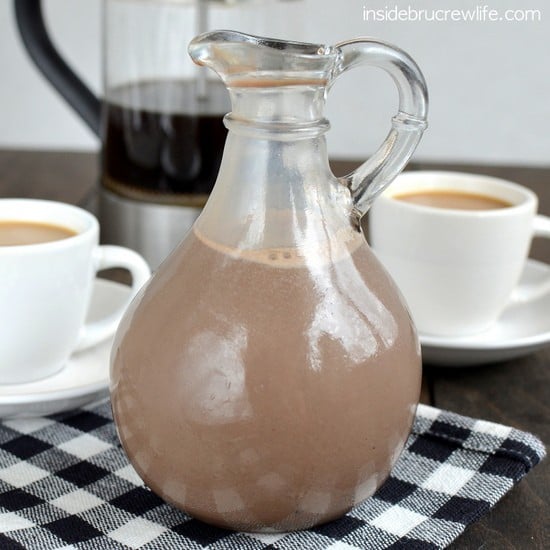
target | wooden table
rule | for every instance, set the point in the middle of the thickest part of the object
(516, 393)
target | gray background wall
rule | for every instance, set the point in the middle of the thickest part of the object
(489, 82)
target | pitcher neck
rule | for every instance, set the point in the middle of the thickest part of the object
(272, 101)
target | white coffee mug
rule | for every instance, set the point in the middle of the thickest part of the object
(45, 290)
(457, 269)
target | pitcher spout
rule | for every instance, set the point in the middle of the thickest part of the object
(246, 60)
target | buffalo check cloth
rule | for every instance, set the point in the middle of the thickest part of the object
(65, 483)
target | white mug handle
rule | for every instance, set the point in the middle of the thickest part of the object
(114, 256)
(541, 228)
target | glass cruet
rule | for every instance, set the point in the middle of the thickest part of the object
(266, 377)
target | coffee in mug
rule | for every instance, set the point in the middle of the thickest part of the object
(454, 200)
(456, 245)
(16, 233)
(49, 255)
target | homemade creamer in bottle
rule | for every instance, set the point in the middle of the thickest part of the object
(266, 378)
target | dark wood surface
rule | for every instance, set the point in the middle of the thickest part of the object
(515, 393)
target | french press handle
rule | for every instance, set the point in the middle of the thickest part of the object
(374, 175)
(34, 34)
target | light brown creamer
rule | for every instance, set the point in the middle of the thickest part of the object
(263, 392)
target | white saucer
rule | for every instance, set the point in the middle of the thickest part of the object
(521, 329)
(85, 377)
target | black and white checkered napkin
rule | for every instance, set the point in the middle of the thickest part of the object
(65, 483)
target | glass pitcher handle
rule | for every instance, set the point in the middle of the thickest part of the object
(408, 125)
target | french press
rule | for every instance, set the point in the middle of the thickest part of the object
(160, 119)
